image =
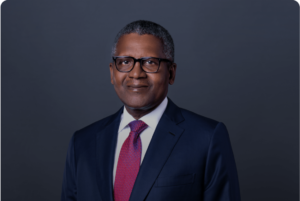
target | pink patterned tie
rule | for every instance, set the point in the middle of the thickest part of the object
(129, 162)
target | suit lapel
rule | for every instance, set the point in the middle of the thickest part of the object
(162, 143)
(105, 146)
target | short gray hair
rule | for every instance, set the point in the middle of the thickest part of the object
(142, 27)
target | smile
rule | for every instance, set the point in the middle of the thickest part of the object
(137, 88)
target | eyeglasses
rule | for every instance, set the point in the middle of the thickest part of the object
(148, 64)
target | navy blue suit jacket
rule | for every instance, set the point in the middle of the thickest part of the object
(189, 158)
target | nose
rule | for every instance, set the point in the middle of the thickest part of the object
(137, 71)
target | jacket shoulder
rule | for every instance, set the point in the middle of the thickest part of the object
(89, 132)
(96, 125)
(199, 122)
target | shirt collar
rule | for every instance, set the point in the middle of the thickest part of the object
(151, 119)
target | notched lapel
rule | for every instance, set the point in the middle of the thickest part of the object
(162, 143)
(106, 143)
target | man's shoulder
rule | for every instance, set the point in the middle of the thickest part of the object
(198, 127)
(95, 127)
(188, 118)
(197, 121)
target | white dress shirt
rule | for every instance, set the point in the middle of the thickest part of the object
(150, 119)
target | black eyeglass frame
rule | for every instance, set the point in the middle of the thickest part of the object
(139, 60)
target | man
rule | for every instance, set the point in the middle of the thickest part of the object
(150, 149)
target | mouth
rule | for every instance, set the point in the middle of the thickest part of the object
(137, 88)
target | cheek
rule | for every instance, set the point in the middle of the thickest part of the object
(160, 84)
(118, 81)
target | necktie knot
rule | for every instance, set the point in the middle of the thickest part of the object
(137, 126)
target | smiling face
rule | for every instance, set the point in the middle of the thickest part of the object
(137, 89)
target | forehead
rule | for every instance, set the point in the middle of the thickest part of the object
(138, 46)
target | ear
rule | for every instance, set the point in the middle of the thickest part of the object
(111, 69)
(172, 73)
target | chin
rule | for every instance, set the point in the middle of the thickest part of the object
(137, 104)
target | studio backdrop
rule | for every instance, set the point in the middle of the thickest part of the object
(237, 62)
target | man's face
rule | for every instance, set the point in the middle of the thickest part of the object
(138, 89)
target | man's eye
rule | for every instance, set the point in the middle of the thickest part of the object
(150, 62)
(125, 62)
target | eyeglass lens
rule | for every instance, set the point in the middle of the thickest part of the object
(148, 65)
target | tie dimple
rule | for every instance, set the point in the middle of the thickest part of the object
(129, 162)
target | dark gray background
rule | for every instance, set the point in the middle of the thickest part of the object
(237, 63)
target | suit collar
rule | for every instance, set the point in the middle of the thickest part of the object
(173, 112)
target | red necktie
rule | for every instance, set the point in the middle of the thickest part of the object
(129, 162)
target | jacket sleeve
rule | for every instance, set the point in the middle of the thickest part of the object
(69, 190)
(221, 179)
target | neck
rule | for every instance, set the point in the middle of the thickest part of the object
(137, 113)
